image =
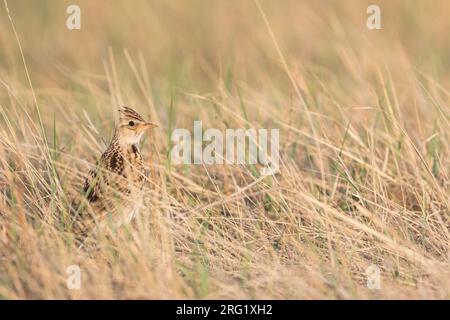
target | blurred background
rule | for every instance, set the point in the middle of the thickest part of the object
(197, 46)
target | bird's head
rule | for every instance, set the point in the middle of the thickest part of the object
(132, 126)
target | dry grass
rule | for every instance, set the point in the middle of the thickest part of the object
(363, 118)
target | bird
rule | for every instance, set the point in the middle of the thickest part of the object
(114, 188)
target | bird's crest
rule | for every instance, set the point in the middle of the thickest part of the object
(128, 113)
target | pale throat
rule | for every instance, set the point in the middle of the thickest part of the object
(136, 139)
(127, 140)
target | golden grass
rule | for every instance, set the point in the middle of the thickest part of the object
(365, 161)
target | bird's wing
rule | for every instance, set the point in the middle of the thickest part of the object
(92, 186)
(94, 183)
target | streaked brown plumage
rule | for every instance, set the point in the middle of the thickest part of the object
(114, 186)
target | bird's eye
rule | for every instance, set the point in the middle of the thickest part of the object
(131, 123)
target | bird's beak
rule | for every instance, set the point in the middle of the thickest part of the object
(149, 125)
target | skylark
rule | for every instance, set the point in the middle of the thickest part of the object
(114, 187)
